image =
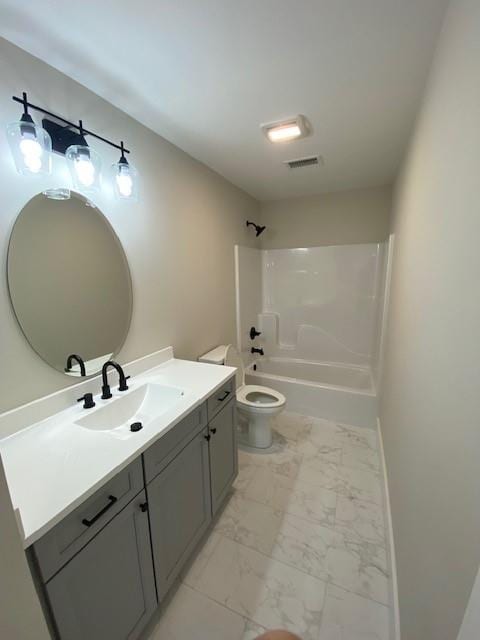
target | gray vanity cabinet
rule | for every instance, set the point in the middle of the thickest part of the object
(105, 566)
(180, 510)
(223, 453)
(107, 591)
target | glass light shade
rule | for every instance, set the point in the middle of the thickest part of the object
(125, 181)
(85, 166)
(31, 147)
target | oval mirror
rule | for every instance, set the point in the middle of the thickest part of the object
(69, 283)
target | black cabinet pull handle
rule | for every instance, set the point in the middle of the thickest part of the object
(88, 523)
(207, 437)
(224, 397)
(144, 507)
(213, 430)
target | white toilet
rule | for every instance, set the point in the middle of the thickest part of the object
(258, 404)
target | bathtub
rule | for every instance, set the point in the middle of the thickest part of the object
(339, 392)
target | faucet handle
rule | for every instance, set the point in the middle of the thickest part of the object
(254, 333)
(123, 384)
(87, 399)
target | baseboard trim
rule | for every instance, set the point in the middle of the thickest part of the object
(395, 628)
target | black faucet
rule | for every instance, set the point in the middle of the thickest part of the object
(81, 363)
(254, 350)
(106, 393)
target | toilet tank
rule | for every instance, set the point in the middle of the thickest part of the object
(215, 356)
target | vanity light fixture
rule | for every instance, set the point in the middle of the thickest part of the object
(30, 144)
(286, 130)
(125, 178)
(31, 147)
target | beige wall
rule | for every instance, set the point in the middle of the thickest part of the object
(178, 240)
(430, 409)
(347, 217)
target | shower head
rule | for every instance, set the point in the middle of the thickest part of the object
(258, 228)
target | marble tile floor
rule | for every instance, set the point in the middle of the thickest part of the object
(300, 545)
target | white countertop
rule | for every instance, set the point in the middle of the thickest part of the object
(54, 465)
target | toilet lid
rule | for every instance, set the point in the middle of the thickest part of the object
(233, 359)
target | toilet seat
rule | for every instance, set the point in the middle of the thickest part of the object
(252, 397)
(258, 397)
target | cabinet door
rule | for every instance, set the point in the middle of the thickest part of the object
(223, 453)
(107, 591)
(180, 511)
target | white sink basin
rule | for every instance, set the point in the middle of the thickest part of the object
(144, 405)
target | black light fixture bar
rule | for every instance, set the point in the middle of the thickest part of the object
(72, 125)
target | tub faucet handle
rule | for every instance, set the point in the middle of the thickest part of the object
(259, 351)
(254, 333)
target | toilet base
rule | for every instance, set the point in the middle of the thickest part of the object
(275, 448)
(256, 427)
(259, 431)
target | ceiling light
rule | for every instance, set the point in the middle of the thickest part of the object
(287, 130)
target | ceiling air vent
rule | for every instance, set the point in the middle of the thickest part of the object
(303, 162)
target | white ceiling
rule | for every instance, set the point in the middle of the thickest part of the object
(206, 73)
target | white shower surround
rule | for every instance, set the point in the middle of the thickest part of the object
(324, 300)
(319, 310)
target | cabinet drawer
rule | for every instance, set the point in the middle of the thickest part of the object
(69, 536)
(166, 448)
(220, 398)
